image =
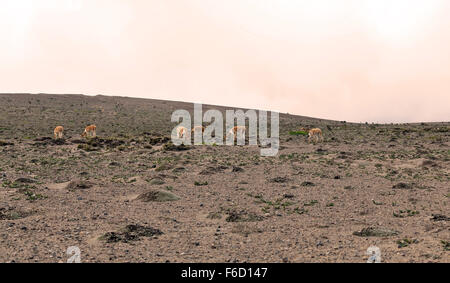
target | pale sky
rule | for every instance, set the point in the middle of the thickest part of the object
(353, 60)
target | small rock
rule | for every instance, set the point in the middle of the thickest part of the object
(24, 180)
(376, 232)
(279, 180)
(158, 196)
(237, 169)
(79, 185)
(439, 217)
(404, 186)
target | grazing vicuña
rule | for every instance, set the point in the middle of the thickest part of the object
(58, 132)
(315, 133)
(237, 130)
(90, 131)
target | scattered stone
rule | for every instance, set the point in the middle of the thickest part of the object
(179, 170)
(159, 140)
(48, 141)
(87, 147)
(171, 147)
(245, 229)
(157, 181)
(237, 169)
(213, 170)
(403, 186)
(406, 242)
(279, 180)
(79, 185)
(77, 141)
(9, 213)
(429, 163)
(376, 232)
(130, 233)
(111, 142)
(4, 143)
(40, 139)
(157, 196)
(242, 216)
(439, 217)
(446, 245)
(214, 215)
(58, 141)
(24, 180)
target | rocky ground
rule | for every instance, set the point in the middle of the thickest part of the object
(131, 196)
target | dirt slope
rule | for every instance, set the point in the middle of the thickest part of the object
(129, 196)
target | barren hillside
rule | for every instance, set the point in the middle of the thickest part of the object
(131, 196)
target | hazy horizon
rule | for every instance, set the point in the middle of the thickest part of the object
(356, 60)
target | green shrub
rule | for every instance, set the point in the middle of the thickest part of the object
(298, 133)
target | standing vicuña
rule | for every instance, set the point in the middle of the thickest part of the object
(237, 130)
(90, 131)
(182, 132)
(58, 132)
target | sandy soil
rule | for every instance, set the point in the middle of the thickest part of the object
(129, 196)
